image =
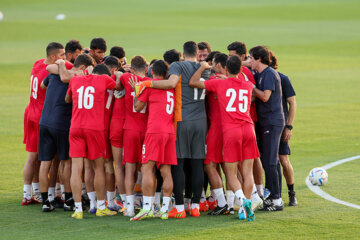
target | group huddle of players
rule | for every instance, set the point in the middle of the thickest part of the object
(146, 139)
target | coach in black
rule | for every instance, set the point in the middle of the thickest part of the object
(271, 119)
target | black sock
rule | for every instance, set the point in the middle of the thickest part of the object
(290, 187)
(68, 195)
(44, 196)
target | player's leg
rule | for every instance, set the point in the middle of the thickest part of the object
(177, 172)
(258, 177)
(168, 186)
(110, 184)
(53, 174)
(289, 177)
(197, 183)
(44, 185)
(119, 172)
(69, 201)
(130, 169)
(36, 182)
(188, 190)
(76, 185)
(159, 184)
(28, 174)
(89, 183)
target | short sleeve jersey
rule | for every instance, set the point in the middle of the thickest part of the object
(189, 102)
(109, 99)
(213, 110)
(161, 107)
(250, 77)
(270, 112)
(133, 120)
(234, 96)
(56, 112)
(287, 91)
(118, 109)
(88, 97)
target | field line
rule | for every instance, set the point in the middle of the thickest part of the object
(321, 193)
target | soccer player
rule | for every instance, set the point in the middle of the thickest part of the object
(54, 51)
(171, 56)
(190, 127)
(204, 51)
(134, 131)
(87, 93)
(72, 49)
(271, 120)
(54, 133)
(239, 49)
(239, 141)
(159, 145)
(289, 106)
(98, 49)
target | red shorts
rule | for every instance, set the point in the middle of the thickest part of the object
(133, 141)
(86, 143)
(117, 132)
(240, 144)
(214, 145)
(31, 136)
(159, 147)
(108, 151)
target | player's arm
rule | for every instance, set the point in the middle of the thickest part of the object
(65, 75)
(195, 79)
(68, 98)
(262, 95)
(53, 68)
(291, 116)
(139, 105)
(45, 83)
(119, 86)
(166, 84)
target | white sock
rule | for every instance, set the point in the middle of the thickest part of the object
(260, 190)
(165, 204)
(92, 197)
(123, 199)
(139, 178)
(27, 191)
(58, 189)
(220, 197)
(179, 208)
(111, 199)
(130, 202)
(254, 195)
(78, 207)
(157, 198)
(83, 189)
(51, 194)
(203, 196)
(101, 204)
(230, 197)
(212, 196)
(147, 202)
(36, 187)
(239, 195)
(194, 205)
(277, 202)
(62, 191)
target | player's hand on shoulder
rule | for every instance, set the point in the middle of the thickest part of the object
(132, 81)
(59, 61)
(205, 65)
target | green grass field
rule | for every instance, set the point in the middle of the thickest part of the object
(317, 44)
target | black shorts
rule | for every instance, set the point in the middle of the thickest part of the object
(190, 139)
(284, 148)
(51, 141)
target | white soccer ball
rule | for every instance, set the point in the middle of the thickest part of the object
(60, 17)
(318, 176)
(1, 16)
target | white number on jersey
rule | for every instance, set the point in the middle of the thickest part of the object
(170, 104)
(243, 100)
(111, 94)
(143, 110)
(86, 98)
(34, 86)
(196, 92)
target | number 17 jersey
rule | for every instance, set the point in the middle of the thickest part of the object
(161, 108)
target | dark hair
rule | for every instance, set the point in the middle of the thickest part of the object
(52, 47)
(239, 47)
(72, 46)
(273, 60)
(160, 68)
(171, 56)
(203, 46)
(233, 65)
(98, 43)
(190, 49)
(118, 52)
(84, 59)
(221, 58)
(152, 61)
(261, 52)
(101, 69)
(138, 63)
(211, 56)
(112, 62)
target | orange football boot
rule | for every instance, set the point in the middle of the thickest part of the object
(175, 214)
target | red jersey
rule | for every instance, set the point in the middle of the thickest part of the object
(213, 108)
(161, 109)
(133, 120)
(250, 77)
(109, 99)
(88, 97)
(37, 94)
(234, 96)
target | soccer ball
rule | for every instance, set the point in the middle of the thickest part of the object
(1, 16)
(318, 176)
